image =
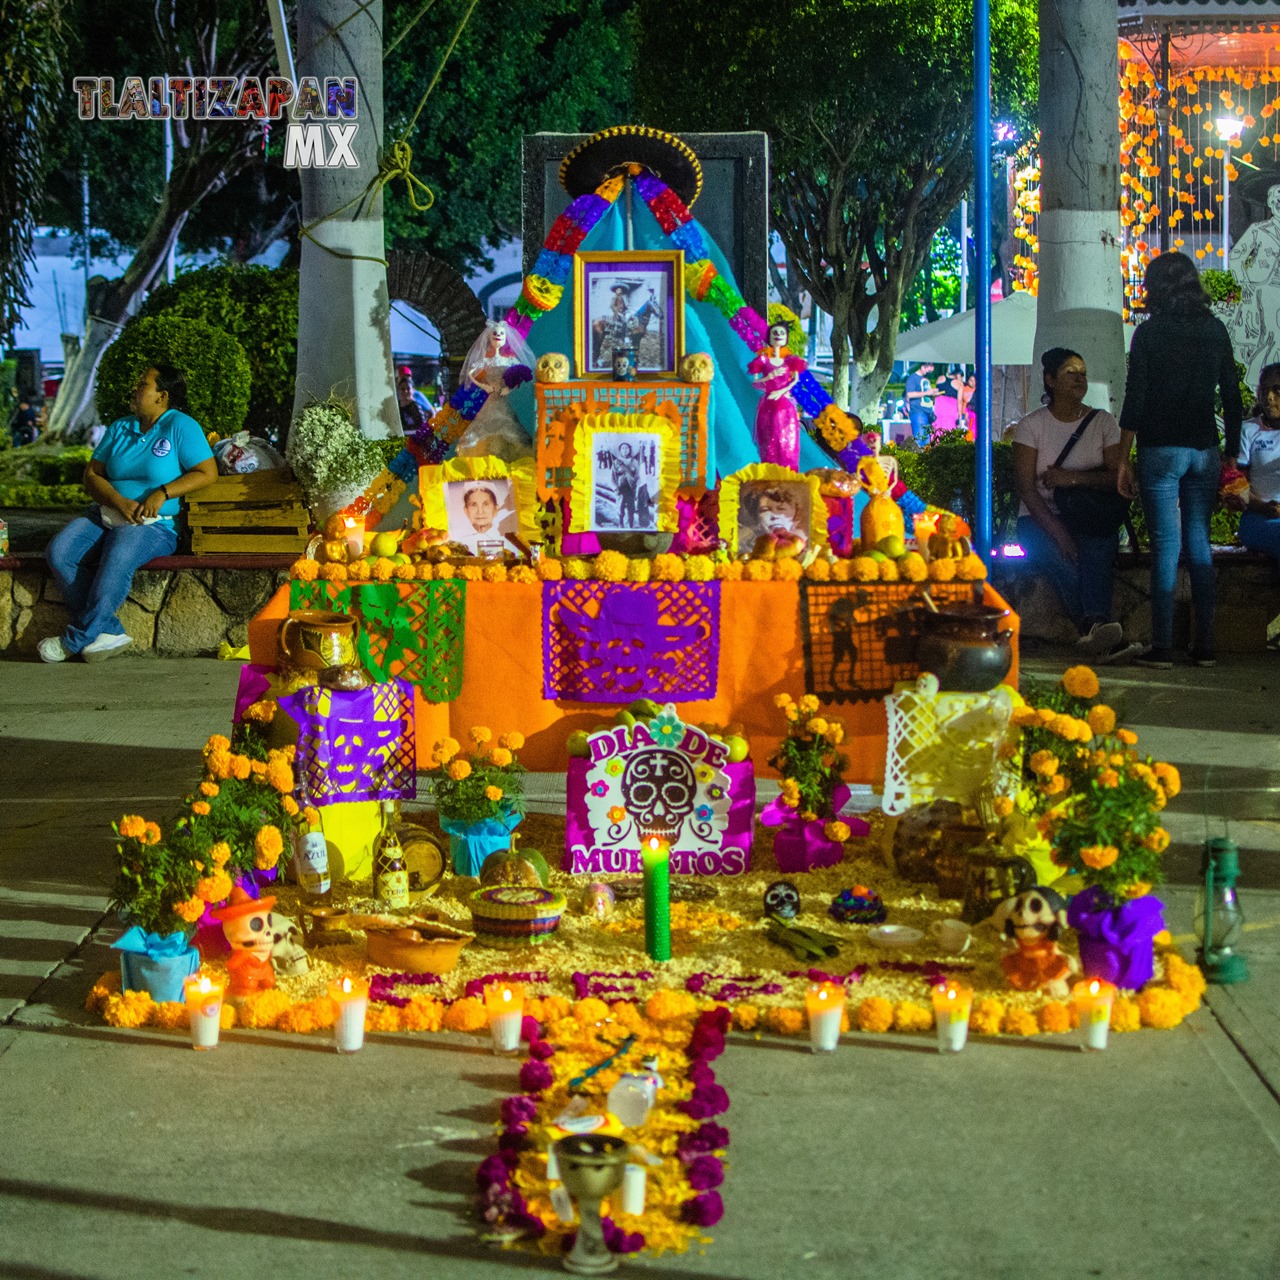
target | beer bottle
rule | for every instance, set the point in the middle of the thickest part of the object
(391, 877)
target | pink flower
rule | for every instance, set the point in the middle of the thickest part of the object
(519, 1109)
(708, 1100)
(536, 1076)
(704, 1210)
(705, 1172)
(707, 1138)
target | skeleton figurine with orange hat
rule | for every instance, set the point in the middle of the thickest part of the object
(246, 924)
(1034, 921)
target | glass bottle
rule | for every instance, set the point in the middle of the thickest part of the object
(311, 857)
(390, 876)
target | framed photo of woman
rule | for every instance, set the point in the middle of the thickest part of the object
(485, 505)
(628, 300)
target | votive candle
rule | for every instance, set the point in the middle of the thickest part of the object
(633, 1180)
(353, 534)
(504, 1003)
(825, 1004)
(204, 1009)
(352, 998)
(655, 855)
(1093, 1001)
(951, 1005)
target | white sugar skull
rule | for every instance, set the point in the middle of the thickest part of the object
(552, 367)
(697, 366)
(782, 899)
(658, 789)
(1037, 913)
(288, 958)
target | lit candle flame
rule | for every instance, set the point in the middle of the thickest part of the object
(951, 993)
(1094, 987)
(506, 995)
(205, 985)
(349, 522)
(346, 986)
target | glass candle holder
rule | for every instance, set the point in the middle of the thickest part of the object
(824, 1002)
(353, 536)
(204, 1009)
(352, 998)
(1093, 1001)
(504, 1003)
(951, 1005)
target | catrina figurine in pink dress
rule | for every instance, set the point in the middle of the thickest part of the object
(776, 372)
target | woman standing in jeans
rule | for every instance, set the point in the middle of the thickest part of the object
(1179, 358)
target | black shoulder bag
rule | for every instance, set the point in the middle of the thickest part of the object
(1088, 512)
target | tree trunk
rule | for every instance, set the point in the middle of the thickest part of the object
(344, 311)
(1081, 290)
(840, 350)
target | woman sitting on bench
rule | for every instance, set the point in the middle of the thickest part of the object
(142, 465)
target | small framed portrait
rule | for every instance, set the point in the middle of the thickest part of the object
(769, 512)
(633, 301)
(484, 505)
(626, 470)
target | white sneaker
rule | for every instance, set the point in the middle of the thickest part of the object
(1102, 637)
(51, 650)
(105, 647)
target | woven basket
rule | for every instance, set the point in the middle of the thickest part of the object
(515, 915)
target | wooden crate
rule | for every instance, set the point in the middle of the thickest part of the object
(260, 512)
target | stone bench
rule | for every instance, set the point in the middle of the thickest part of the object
(180, 606)
(1248, 600)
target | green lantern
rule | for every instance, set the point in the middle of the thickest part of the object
(1219, 921)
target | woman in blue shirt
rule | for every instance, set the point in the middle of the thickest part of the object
(142, 465)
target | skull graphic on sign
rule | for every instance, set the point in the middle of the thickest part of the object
(658, 789)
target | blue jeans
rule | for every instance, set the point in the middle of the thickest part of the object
(921, 427)
(1258, 533)
(1179, 487)
(1084, 584)
(94, 567)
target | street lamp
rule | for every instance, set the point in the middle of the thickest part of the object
(1229, 130)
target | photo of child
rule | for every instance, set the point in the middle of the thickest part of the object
(773, 517)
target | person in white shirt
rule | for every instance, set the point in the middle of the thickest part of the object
(1259, 461)
(1082, 569)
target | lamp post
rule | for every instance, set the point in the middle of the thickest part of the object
(982, 292)
(1229, 130)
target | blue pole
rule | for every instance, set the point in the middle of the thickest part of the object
(982, 277)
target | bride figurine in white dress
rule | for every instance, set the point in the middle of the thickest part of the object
(499, 361)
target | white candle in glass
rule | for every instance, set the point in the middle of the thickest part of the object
(825, 1004)
(204, 1009)
(352, 997)
(505, 1007)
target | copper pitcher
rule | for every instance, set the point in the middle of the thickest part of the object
(316, 641)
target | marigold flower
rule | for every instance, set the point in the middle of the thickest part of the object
(909, 1016)
(729, 570)
(445, 750)
(460, 770)
(493, 793)
(781, 700)
(512, 741)
(1019, 1022)
(875, 1014)
(1127, 736)
(1055, 1017)
(220, 854)
(792, 570)
(760, 570)
(268, 845)
(1099, 856)
(263, 711)
(987, 1015)
(1160, 1007)
(132, 826)
(190, 910)
(1046, 716)
(808, 704)
(217, 742)
(1044, 763)
(1125, 1015)
(150, 834)
(783, 1021)
(550, 570)
(1080, 682)
(214, 888)
(1170, 777)
(290, 806)
(239, 767)
(1108, 778)
(1002, 806)
(792, 713)
(610, 566)
(480, 735)
(305, 570)
(312, 815)
(834, 733)
(258, 768)
(1157, 841)
(817, 726)
(209, 789)
(200, 808)
(1102, 720)
(219, 764)
(1023, 717)
(837, 831)
(501, 757)
(667, 568)
(1054, 786)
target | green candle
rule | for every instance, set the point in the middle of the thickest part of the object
(656, 856)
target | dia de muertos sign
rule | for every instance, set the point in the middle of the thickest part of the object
(662, 777)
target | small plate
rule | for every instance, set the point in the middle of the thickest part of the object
(894, 935)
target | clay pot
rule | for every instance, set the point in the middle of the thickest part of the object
(962, 645)
(315, 640)
(420, 948)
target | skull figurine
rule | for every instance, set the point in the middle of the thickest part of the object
(1034, 921)
(552, 367)
(246, 925)
(597, 901)
(697, 366)
(288, 958)
(658, 789)
(782, 899)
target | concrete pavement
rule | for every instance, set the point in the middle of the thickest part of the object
(124, 1154)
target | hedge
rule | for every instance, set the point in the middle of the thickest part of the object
(215, 365)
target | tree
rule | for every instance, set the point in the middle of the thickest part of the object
(869, 109)
(30, 73)
(545, 65)
(180, 38)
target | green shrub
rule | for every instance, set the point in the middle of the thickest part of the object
(215, 365)
(258, 307)
(64, 467)
(30, 495)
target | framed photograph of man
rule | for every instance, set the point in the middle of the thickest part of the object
(486, 507)
(629, 300)
(626, 469)
(771, 512)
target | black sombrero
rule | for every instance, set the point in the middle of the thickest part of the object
(609, 152)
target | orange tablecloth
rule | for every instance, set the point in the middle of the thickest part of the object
(760, 656)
